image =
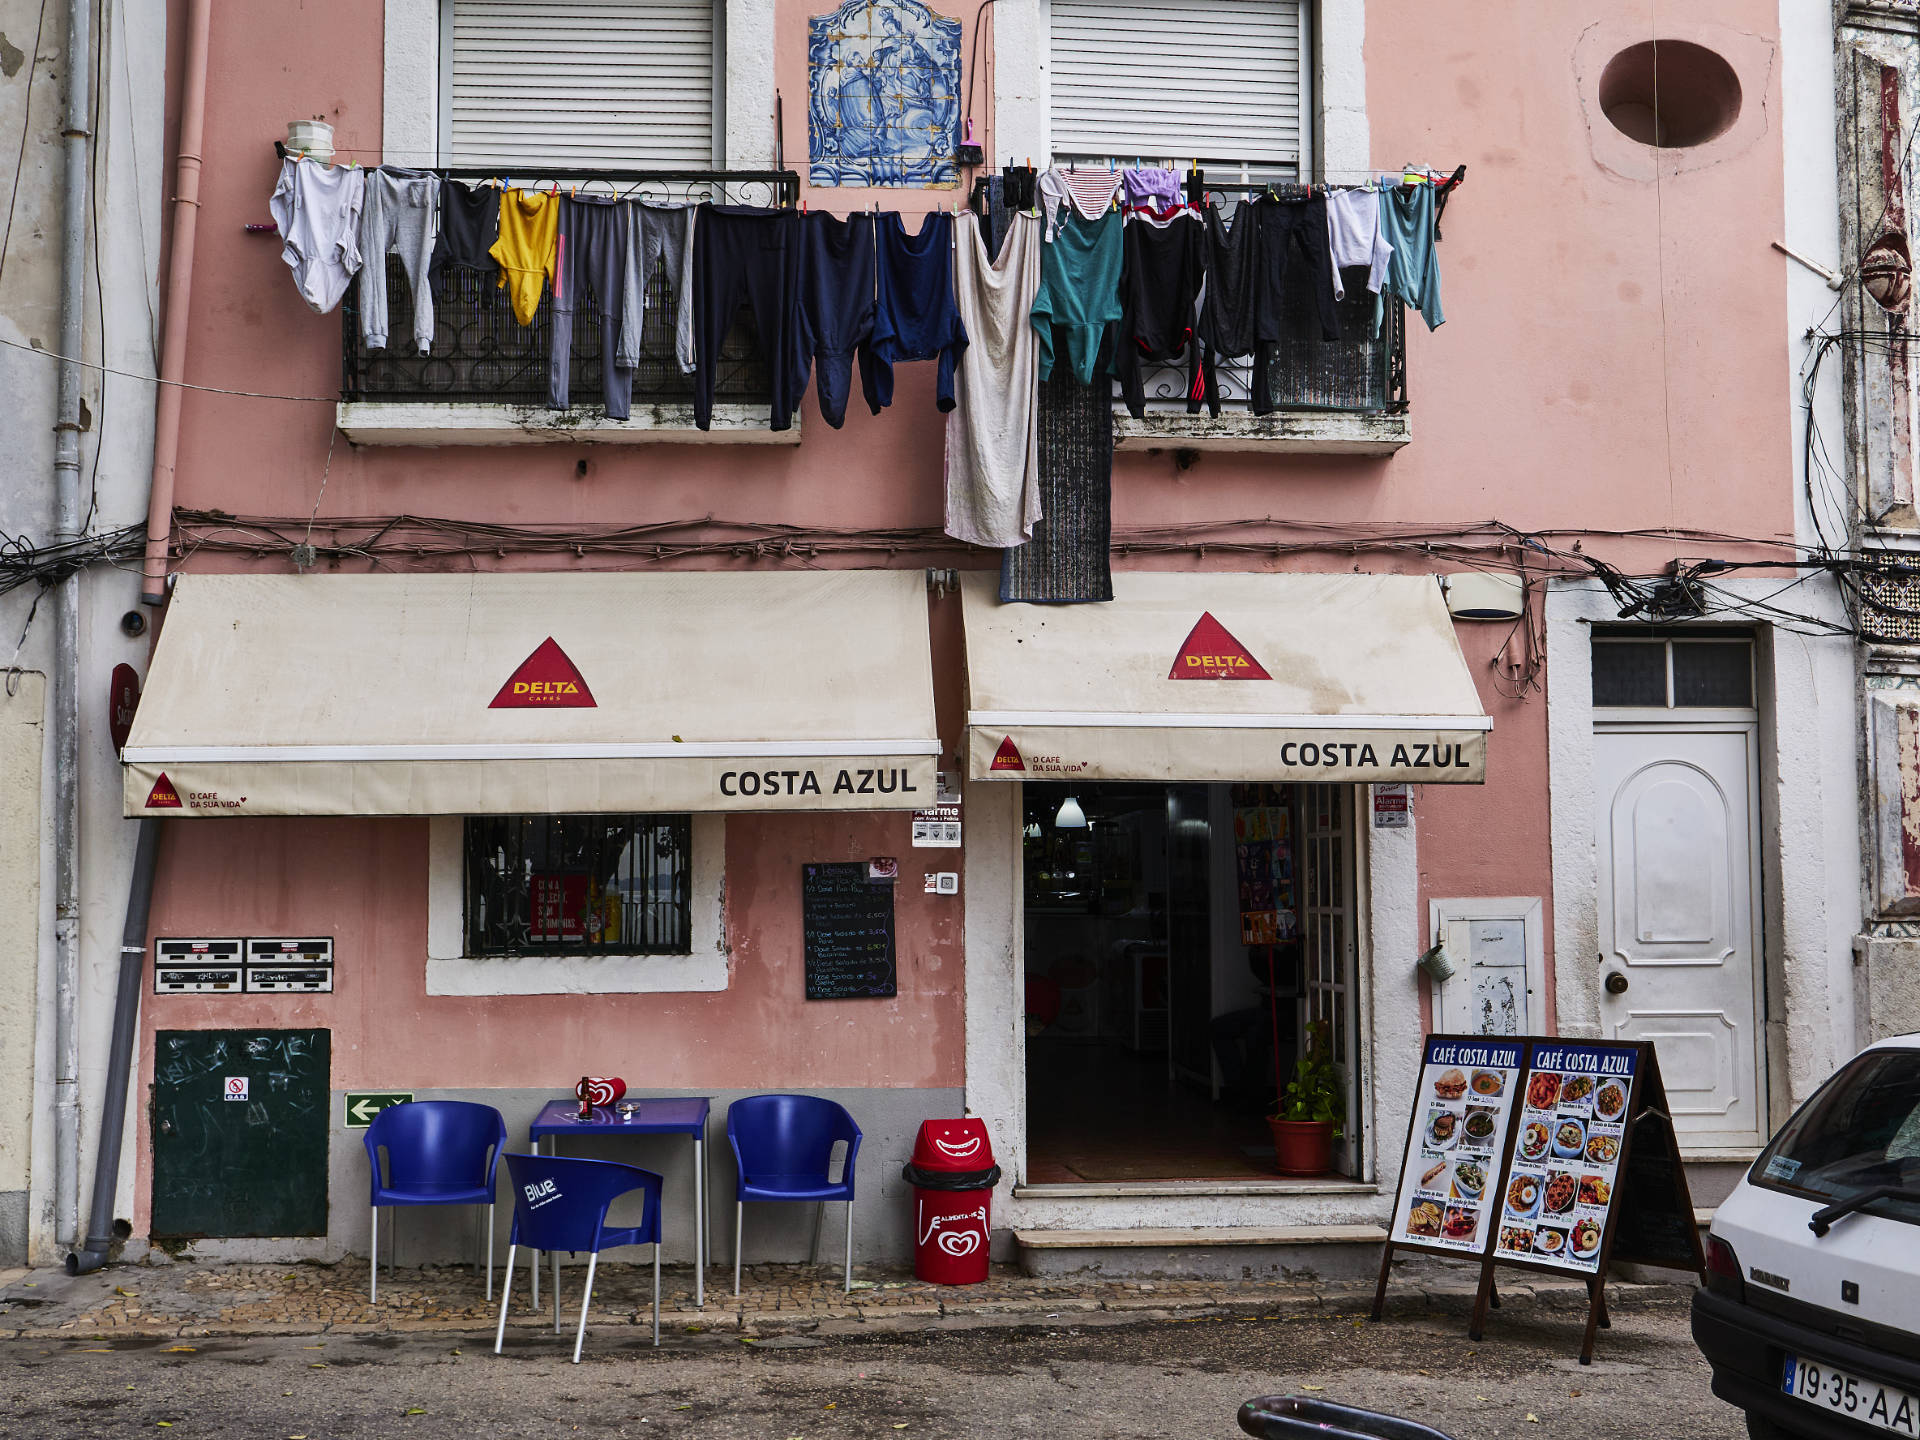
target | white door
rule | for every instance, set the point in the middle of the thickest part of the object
(1678, 925)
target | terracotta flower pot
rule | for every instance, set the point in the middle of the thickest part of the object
(1302, 1147)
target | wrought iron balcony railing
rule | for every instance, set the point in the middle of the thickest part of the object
(482, 356)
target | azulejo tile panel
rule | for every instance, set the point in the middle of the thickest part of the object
(884, 107)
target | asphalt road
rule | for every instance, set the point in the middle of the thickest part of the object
(1181, 1379)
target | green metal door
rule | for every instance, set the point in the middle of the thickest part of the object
(240, 1128)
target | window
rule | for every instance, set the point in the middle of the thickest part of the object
(598, 84)
(1217, 81)
(578, 885)
(1860, 1132)
(1673, 672)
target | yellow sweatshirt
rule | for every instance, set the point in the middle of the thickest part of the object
(529, 224)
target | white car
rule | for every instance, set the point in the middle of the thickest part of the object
(1811, 1313)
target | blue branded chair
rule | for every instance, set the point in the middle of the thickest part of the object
(783, 1145)
(561, 1204)
(439, 1152)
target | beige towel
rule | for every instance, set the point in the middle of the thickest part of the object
(993, 466)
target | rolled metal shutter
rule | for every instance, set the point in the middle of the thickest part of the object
(1218, 81)
(599, 84)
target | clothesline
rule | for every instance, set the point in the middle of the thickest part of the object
(1104, 289)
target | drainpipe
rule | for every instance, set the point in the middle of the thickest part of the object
(66, 632)
(126, 1018)
(173, 334)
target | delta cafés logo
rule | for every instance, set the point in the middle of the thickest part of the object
(546, 680)
(1211, 653)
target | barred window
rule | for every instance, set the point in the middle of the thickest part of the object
(579, 885)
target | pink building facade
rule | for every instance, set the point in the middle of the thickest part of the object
(1639, 855)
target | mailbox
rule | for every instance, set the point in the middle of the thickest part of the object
(196, 966)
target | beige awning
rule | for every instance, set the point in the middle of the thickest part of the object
(1352, 678)
(537, 694)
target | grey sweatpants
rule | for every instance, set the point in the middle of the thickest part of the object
(595, 248)
(398, 214)
(666, 234)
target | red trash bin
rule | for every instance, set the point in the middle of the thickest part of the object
(953, 1175)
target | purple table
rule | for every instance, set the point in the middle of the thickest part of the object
(680, 1115)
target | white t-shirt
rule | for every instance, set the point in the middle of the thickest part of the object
(1353, 232)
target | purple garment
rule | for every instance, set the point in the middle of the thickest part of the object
(1156, 189)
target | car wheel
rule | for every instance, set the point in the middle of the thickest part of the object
(1759, 1428)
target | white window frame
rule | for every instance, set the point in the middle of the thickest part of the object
(1334, 86)
(414, 100)
(1306, 167)
(450, 971)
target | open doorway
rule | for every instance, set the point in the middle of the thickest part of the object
(1178, 940)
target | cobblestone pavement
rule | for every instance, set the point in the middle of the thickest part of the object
(1079, 1375)
(189, 1299)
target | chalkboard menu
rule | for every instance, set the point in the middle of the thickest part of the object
(847, 924)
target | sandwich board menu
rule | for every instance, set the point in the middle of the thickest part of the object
(1549, 1176)
(1448, 1192)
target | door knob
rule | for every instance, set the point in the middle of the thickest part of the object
(1617, 983)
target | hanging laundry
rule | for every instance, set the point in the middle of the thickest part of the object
(593, 246)
(915, 317)
(1079, 297)
(1413, 271)
(1354, 237)
(1161, 274)
(995, 215)
(1069, 558)
(469, 224)
(1153, 189)
(1230, 313)
(837, 304)
(1284, 227)
(529, 230)
(993, 481)
(744, 254)
(1089, 192)
(317, 210)
(397, 215)
(666, 238)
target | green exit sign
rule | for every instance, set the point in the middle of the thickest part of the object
(363, 1105)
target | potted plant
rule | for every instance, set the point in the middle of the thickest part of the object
(1311, 1109)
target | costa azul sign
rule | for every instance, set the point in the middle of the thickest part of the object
(1140, 752)
(1225, 744)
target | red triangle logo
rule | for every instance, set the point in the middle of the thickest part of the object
(1210, 653)
(163, 796)
(1007, 757)
(546, 680)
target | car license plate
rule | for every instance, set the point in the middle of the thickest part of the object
(1867, 1401)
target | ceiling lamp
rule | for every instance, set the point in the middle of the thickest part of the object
(1071, 816)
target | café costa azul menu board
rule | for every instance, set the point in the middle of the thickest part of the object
(1566, 1158)
(1450, 1184)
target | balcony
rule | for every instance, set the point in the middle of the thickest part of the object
(485, 380)
(1339, 397)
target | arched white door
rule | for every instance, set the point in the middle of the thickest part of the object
(1679, 929)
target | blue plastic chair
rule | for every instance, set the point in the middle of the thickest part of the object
(783, 1145)
(561, 1204)
(439, 1152)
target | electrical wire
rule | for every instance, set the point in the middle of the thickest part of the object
(182, 384)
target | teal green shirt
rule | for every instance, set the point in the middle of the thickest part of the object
(1079, 290)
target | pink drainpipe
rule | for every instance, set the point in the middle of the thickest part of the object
(173, 339)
